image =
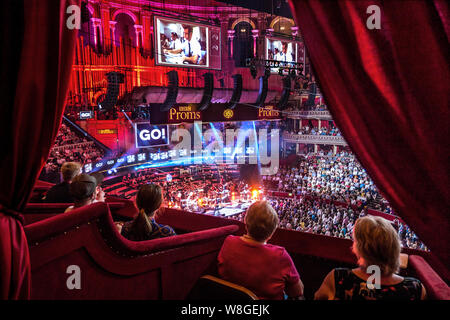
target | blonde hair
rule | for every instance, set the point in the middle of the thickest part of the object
(376, 243)
(70, 170)
(261, 220)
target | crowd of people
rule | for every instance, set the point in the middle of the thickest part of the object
(242, 259)
(323, 131)
(324, 217)
(338, 178)
(70, 147)
(324, 194)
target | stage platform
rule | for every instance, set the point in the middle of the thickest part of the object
(230, 209)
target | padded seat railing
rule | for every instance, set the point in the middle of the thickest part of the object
(120, 209)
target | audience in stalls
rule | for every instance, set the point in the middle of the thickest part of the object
(338, 177)
(200, 189)
(376, 245)
(60, 193)
(66, 136)
(83, 190)
(243, 260)
(67, 147)
(144, 227)
(324, 217)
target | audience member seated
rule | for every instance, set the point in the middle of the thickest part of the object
(376, 243)
(249, 261)
(99, 193)
(144, 227)
(83, 190)
(60, 193)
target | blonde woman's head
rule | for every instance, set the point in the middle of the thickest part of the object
(261, 220)
(376, 242)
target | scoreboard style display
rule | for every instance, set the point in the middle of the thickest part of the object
(87, 114)
(148, 136)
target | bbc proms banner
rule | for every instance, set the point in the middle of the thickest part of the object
(148, 135)
(216, 112)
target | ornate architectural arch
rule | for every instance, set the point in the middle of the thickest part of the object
(127, 12)
(235, 22)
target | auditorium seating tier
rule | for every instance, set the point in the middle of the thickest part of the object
(115, 268)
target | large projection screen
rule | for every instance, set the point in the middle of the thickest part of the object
(187, 44)
(282, 50)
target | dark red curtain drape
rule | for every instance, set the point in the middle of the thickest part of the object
(388, 91)
(36, 61)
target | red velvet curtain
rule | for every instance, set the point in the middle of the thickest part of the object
(388, 91)
(36, 61)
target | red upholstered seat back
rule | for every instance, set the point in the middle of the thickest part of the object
(435, 286)
(33, 212)
(111, 267)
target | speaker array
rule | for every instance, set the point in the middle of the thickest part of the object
(285, 94)
(172, 91)
(262, 94)
(207, 92)
(237, 91)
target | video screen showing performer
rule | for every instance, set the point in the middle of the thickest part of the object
(283, 51)
(182, 43)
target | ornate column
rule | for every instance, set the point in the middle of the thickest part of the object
(230, 40)
(97, 23)
(112, 27)
(138, 30)
(255, 35)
